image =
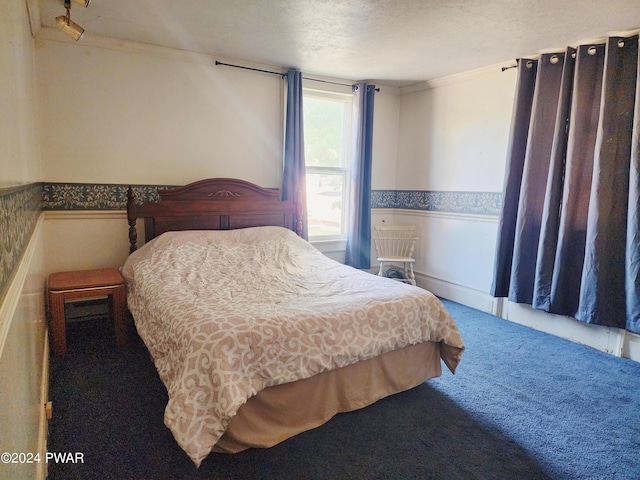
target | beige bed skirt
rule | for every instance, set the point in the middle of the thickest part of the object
(282, 411)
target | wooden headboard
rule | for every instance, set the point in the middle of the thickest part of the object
(212, 204)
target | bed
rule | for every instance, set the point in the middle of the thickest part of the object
(257, 335)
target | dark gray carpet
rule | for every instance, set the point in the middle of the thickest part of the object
(523, 405)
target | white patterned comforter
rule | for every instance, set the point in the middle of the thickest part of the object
(226, 314)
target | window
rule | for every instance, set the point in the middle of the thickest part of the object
(327, 141)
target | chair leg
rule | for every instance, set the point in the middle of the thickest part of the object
(408, 273)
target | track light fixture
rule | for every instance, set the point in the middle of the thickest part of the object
(68, 26)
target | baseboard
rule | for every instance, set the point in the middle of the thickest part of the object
(614, 341)
(631, 346)
(458, 293)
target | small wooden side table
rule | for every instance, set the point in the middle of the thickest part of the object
(85, 283)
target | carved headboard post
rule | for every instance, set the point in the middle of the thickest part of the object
(132, 217)
(298, 228)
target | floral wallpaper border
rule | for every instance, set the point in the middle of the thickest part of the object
(81, 196)
(20, 208)
(476, 203)
(90, 196)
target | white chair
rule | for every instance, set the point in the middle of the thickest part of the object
(395, 244)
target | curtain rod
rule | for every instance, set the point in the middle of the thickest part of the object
(282, 74)
(248, 68)
(334, 83)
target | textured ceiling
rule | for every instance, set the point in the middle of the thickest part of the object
(393, 42)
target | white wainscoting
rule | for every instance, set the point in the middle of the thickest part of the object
(86, 240)
(454, 260)
(24, 362)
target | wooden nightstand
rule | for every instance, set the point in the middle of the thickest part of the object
(82, 284)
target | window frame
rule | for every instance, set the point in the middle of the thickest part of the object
(335, 94)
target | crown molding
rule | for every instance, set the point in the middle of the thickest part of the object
(468, 75)
(110, 43)
(33, 10)
(456, 78)
(98, 41)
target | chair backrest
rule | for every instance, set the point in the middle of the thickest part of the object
(394, 240)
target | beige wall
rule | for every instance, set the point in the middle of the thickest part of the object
(22, 322)
(116, 114)
(19, 149)
(386, 129)
(454, 132)
(453, 136)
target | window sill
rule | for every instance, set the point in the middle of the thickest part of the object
(333, 248)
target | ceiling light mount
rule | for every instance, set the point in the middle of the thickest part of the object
(67, 25)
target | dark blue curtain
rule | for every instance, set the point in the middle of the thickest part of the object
(568, 237)
(293, 177)
(358, 252)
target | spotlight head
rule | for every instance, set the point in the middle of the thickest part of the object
(70, 27)
(84, 3)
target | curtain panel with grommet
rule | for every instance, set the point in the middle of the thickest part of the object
(358, 251)
(569, 235)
